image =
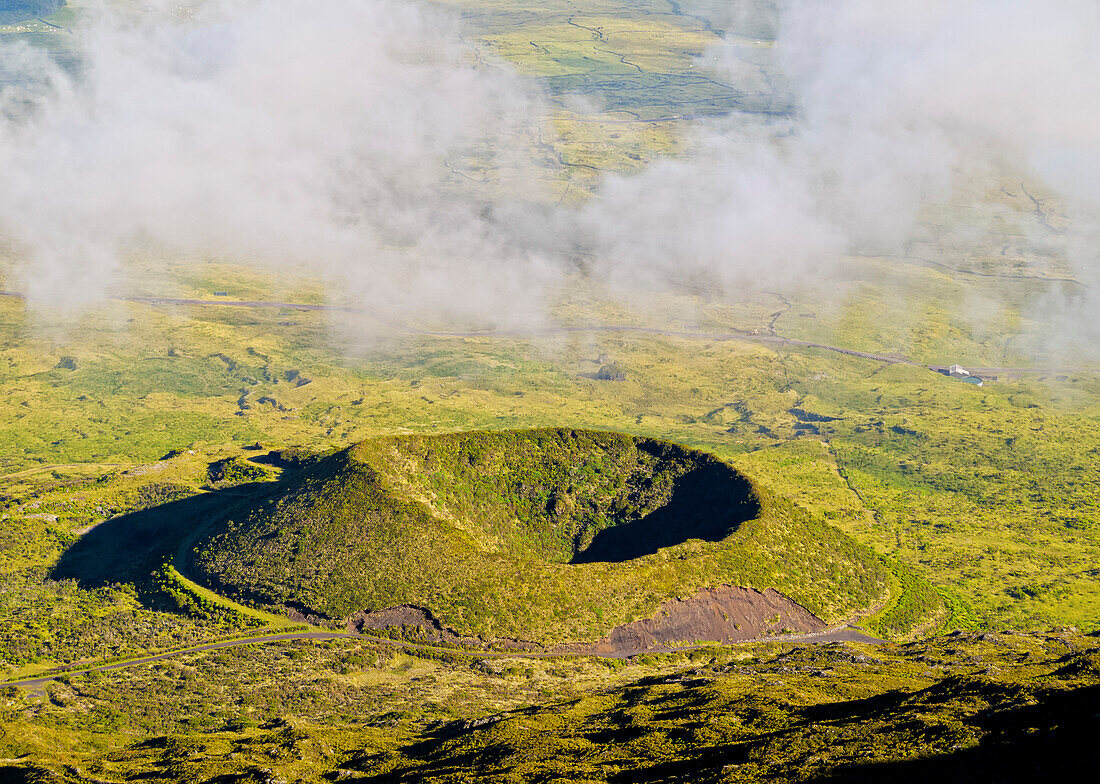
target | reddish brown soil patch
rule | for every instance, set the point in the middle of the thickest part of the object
(722, 614)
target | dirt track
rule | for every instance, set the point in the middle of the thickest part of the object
(52, 466)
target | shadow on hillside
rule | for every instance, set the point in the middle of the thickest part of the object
(709, 502)
(1054, 740)
(127, 548)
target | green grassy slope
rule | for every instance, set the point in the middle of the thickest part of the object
(481, 528)
(988, 707)
(1011, 723)
(86, 562)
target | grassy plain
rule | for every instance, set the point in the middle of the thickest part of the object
(915, 465)
(965, 488)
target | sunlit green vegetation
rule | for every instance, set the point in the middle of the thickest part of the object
(546, 535)
(924, 504)
(352, 710)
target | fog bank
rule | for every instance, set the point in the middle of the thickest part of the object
(319, 137)
(352, 141)
(895, 107)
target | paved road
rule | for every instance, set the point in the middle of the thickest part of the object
(841, 634)
(982, 372)
(844, 634)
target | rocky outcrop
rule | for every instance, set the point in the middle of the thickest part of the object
(417, 624)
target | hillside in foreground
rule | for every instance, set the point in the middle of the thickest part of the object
(985, 707)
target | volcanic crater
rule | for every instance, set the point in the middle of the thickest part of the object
(553, 535)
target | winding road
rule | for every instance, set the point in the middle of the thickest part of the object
(835, 634)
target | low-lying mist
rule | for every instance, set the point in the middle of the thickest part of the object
(318, 138)
(368, 141)
(896, 106)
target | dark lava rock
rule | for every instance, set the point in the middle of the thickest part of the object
(611, 372)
